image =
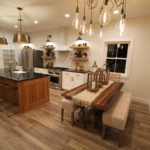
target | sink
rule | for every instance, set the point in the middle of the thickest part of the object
(19, 72)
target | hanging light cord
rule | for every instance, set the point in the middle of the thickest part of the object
(20, 20)
(84, 8)
(2, 32)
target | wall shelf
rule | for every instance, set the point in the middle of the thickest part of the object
(79, 58)
(48, 47)
(79, 47)
(48, 57)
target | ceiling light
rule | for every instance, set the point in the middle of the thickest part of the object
(20, 37)
(105, 12)
(15, 26)
(3, 40)
(116, 11)
(67, 15)
(36, 22)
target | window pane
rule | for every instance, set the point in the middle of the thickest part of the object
(111, 64)
(112, 50)
(120, 66)
(122, 51)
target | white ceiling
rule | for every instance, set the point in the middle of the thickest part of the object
(50, 13)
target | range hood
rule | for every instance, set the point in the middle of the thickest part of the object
(62, 41)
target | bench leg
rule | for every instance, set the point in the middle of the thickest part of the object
(62, 114)
(120, 138)
(72, 118)
(103, 131)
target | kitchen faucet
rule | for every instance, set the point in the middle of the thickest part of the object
(10, 64)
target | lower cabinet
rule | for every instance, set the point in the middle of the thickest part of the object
(34, 93)
(72, 80)
(27, 94)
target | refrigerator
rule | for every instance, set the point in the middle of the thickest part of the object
(31, 58)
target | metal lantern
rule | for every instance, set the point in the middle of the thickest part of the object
(93, 84)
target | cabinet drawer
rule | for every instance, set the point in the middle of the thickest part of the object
(44, 71)
(66, 74)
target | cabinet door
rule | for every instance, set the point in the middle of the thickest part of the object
(42, 90)
(67, 83)
(28, 95)
(34, 93)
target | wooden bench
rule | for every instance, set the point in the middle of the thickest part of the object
(117, 115)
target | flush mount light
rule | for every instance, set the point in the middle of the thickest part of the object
(15, 26)
(35, 22)
(116, 11)
(67, 15)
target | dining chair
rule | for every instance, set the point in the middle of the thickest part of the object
(69, 106)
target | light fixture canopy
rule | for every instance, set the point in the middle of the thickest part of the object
(20, 37)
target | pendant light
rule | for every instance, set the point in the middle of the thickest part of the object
(20, 37)
(91, 29)
(48, 42)
(75, 22)
(80, 41)
(122, 23)
(3, 40)
(101, 31)
(105, 14)
(83, 26)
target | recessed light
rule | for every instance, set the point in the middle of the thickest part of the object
(116, 11)
(36, 22)
(15, 26)
(67, 15)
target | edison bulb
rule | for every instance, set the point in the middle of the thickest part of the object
(75, 22)
(83, 27)
(122, 24)
(104, 17)
(101, 32)
(91, 30)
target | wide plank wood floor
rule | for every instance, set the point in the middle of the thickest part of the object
(41, 129)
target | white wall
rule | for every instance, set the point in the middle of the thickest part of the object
(137, 29)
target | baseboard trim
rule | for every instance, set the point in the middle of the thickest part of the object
(141, 100)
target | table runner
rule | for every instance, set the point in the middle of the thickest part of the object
(86, 97)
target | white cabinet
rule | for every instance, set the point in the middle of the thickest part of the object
(71, 80)
(41, 70)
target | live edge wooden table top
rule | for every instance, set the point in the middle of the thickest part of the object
(101, 100)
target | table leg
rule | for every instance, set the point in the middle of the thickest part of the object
(82, 117)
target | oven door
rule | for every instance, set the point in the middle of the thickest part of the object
(55, 81)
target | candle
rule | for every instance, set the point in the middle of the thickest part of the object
(93, 85)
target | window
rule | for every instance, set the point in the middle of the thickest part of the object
(7, 56)
(8, 53)
(118, 56)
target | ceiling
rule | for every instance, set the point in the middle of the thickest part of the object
(50, 13)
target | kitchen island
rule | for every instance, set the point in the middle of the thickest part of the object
(28, 89)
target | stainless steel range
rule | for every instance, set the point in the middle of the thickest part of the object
(56, 77)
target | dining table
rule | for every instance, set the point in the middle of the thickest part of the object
(101, 99)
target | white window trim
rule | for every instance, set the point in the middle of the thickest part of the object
(129, 55)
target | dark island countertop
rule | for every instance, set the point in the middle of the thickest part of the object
(4, 73)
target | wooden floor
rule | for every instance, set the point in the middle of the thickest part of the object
(41, 129)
